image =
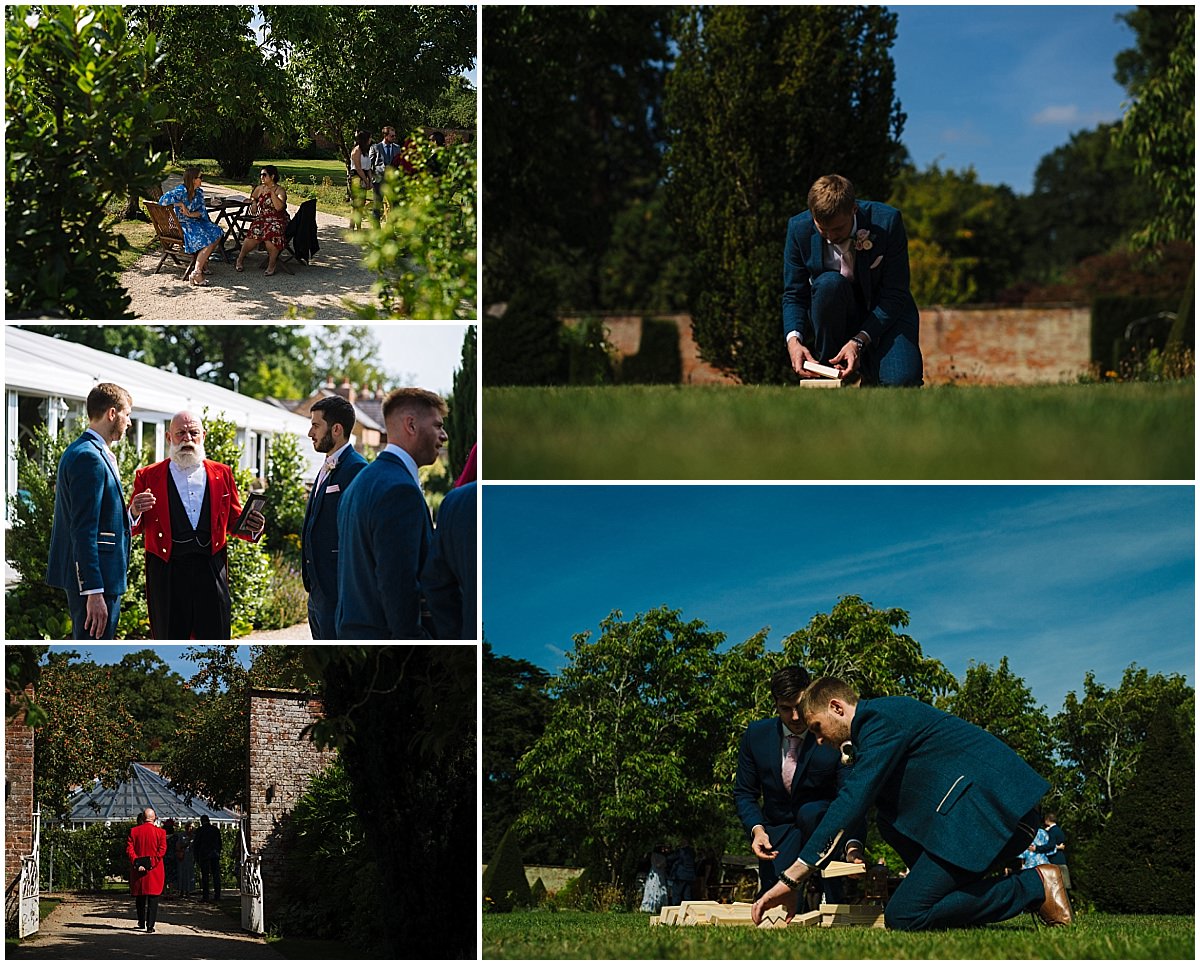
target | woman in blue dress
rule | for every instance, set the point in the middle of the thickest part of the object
(200, 236)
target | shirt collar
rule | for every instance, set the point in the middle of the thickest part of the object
(95, 435)
(336, 454)
(409, 462)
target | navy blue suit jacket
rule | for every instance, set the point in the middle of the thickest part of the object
(320, 536)
(383, 538)
(449, 578)
(881, 272)
(759, 777)
(944, 786)
(90, 538)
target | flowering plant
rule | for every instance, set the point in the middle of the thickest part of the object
(849, 754)
(862, 240)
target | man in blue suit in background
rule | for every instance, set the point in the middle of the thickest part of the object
(89, 541)
(332, 422)
(846, 295)
(954, 801)
(449, 579)
(774, 750)
(384, 528)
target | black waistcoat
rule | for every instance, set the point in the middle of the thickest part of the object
(186, 541)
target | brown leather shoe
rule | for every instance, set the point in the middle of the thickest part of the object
(1056, 909)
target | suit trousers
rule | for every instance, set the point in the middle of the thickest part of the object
(147, 910)
(788, 840)
(322, 618)
(838, 315)
(937, 894)
(77, 606)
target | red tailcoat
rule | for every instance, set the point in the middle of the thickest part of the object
(146, 841)
(155, 524)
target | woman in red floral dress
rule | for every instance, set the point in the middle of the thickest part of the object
(268, 209)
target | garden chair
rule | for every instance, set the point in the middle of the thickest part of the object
(170, 237)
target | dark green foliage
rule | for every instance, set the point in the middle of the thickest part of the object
(328, 862)
(516, 708)
(285, 490)
(79, 116)
(1111, 315)
(589, 361)
(155, 697)
(820, 80)
(1144, 859)
(504, 883)
(235, 146)
(524, 347)
(461, 424)
(402, 717)
(83, 857)
(537, 893)
(658, 359)
(573, 101)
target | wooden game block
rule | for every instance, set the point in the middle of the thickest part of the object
(837, 869)
(821, 383)
(669, 915)
(809, 919)
(774, 918)
(825, 371)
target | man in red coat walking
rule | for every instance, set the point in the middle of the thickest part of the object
(146, 846)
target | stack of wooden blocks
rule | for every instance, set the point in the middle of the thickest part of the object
(738, 913)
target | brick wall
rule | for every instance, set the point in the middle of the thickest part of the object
(977, 344)
(280, 766)
(18, 800)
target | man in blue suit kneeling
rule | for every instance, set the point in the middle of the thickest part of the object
(781, 765)
(846, 295)
(89, 541)
(953, 800)
(384, 529)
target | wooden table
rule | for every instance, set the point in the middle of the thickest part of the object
(229, 211)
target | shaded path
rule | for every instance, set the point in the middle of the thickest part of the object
(102, 926)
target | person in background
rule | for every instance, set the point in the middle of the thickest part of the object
(207, 846)
(200, 236)
(268, 219)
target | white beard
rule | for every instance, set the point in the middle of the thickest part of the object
(187, 455)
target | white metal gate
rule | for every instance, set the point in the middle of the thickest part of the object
(30, 916)
(251, 887)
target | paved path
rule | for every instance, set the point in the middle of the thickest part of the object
(336, 272)
(100, 926)
(301, 631)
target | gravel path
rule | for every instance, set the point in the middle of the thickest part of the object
(336, 272)
(100, 926)
(301, 631)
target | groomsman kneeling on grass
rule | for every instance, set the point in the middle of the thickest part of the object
(953, 800)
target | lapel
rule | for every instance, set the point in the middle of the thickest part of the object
(863, 259)
(110, 463)
(816, 254)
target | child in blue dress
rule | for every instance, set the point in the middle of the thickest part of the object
(200, 236)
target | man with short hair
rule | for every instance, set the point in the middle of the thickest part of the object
(90, 535)
(781, 765)
(384, 529)
(146, 846)
(1056, 850)
(847, 300)
(953, 800)
(187, 506)
(332, 423)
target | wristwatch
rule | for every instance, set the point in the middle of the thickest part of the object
(792, 883)
(857, 340)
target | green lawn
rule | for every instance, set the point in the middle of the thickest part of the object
(1102, 431)
(602, 936)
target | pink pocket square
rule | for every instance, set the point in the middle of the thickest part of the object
(335, 488)
(877, 262)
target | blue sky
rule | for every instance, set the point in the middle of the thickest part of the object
(1061, 580)
(106, 653)
(998, 87)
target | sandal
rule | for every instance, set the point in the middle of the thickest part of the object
(199, 281)
(238, 267)
(269, 273)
